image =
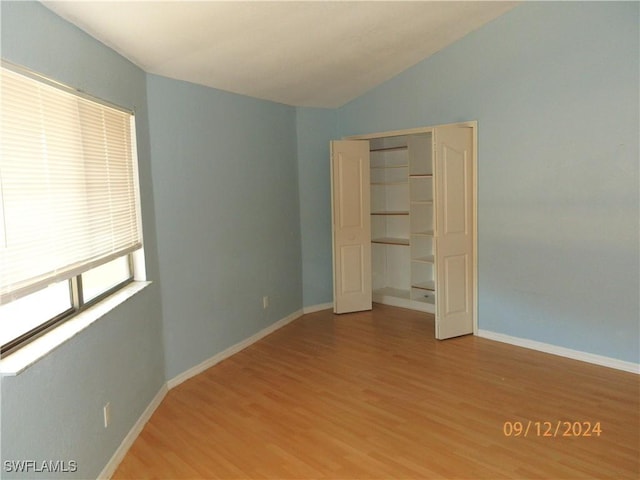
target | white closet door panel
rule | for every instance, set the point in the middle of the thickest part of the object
(455, 268)
(454, 230)
(351, 226)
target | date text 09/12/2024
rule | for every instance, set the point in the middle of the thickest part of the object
(559, 428)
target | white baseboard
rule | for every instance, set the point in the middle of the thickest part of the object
(124, 447)
(210, 362)
(126, 443)
(317, 308)
(116, 458)
(562, 351)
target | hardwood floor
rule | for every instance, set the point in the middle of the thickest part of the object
(374, 395)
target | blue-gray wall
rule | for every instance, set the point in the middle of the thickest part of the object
(226, 190)
(554, 87)
(53, 410)
(316, 127)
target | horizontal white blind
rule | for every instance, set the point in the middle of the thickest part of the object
(68, 185)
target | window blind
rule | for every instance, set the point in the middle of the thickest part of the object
(68, 185)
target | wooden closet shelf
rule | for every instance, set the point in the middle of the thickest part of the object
(388, 149)
(389, 183)
(428, 285)
(391, 241)
(390, 213)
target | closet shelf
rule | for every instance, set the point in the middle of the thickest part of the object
(421, 175)
(388, 149)
(428, 285)
(425, 233)
(422, 202)
(391, 241)
(424, 259)
(389, 183)
(390, 213)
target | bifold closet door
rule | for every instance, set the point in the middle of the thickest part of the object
(351, 205)
(454, 227)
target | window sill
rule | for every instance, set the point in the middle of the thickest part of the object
(16, 362)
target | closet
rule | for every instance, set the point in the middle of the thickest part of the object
(403, 211)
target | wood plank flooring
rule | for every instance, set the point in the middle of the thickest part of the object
(373, 395)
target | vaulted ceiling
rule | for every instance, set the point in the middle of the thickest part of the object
(320, 54)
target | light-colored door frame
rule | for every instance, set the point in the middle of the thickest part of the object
(474, 126)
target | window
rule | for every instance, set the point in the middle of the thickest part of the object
(69, 203)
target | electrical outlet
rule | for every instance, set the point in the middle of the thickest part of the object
(107, 414)
(265, 302)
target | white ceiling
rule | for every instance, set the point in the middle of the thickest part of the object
(320, 54)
